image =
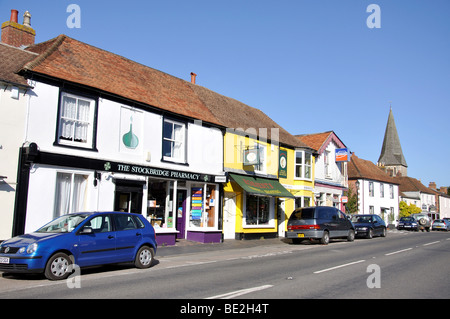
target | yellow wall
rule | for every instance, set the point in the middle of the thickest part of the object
(234, 145)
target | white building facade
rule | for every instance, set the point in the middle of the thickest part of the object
(91, 153)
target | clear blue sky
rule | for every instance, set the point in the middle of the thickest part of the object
(311, 65)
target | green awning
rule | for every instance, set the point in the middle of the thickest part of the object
(261, 186)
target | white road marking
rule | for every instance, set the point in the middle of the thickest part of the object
(241, 292)
(398, 251)
(434, 242)
(340, 266)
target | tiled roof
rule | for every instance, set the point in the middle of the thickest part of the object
(78, 62)
(410, 184)
(363, 169)
(237, 115)
(319, 141)
(11, 60)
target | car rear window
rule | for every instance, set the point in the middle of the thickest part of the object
(304, 213)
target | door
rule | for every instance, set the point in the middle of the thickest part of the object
(99, 246)
(281, 217)
(128, 196)
(128, 236)
(181, 213)
(229, 216)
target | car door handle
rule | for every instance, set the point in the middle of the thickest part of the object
(110, 237)
(138, 234)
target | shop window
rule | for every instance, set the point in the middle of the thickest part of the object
(174, 141)
(303, 165)
(159, 211)
(76, 121)
(70, 193)
(203, 206)
(258, 210)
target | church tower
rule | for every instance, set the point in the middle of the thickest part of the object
(391, 158)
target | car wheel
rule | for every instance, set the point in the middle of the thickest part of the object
(57, 267)
(351, 235)
(144, 257)
(369, 234)
(383, 232)
(422, 221)
(325, 238)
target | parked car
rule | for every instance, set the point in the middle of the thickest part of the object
(84, 239)
(423, 221)
(369, 225)
(441, 224)
(321, 223)
(408, 223)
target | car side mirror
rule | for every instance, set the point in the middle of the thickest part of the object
(86, 230)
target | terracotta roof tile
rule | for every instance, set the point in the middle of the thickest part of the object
(410, 184)
(78, 62)
(363, 169)
(11, 60)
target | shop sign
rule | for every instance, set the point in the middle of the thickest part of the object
(157, 172)
(342, 155)
(282, 164)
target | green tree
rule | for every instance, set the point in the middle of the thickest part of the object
(406, 210)
(352, 206)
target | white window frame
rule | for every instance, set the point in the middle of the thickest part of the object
(270, 224)
(303, 165)
(180, 142)
(71, 192)
(88, 120)
(262, 149)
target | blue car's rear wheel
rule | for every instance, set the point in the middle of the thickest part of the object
(144, 257)
(58, 267)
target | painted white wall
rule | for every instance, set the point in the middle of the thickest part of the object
(204, 151)
(13, 109)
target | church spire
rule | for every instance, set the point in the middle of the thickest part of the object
(391, 157)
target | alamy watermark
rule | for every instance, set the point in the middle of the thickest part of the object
(74, 19)
(374, 279)
(374, 19)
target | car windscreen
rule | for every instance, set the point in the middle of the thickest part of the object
(361, 219)
(63, 224)
(304, 213)
(407, 219)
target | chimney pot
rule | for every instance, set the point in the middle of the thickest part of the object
(193, 75)
(27, 19)
(14, 15)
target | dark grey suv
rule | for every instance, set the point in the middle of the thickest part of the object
(321, 223)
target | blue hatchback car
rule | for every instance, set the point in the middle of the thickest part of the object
(84, 239)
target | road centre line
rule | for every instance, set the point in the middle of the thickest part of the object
(238, 293)
(340, 266)
(398, 251)
(434, 242)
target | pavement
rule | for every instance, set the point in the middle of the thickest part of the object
(183, 246)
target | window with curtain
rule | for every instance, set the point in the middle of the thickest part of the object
(174, 141)
(70, 193)
(76, 121)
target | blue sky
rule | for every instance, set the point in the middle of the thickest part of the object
(311, 65)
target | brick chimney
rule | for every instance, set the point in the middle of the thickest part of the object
(16, 34)
(432, 185)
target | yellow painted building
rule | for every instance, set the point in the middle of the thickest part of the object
(267, 181)
(257, 198)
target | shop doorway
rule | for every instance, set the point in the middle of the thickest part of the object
(128, 196)
(181, 213)
(229, 216)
